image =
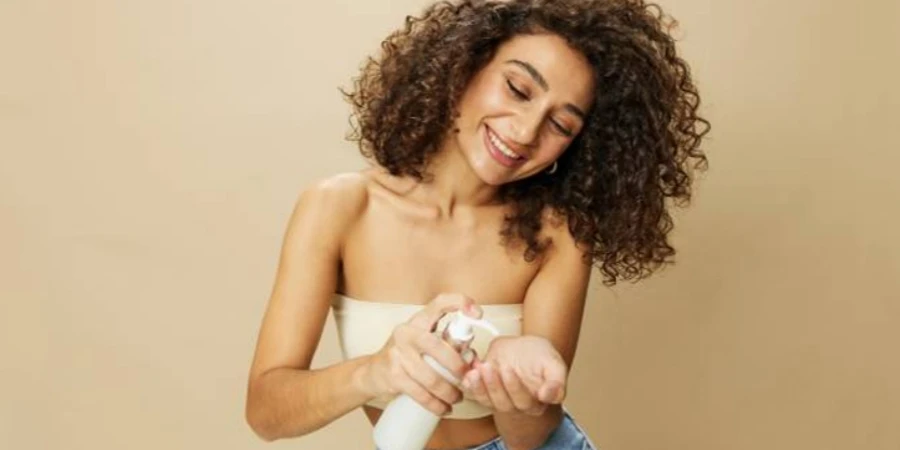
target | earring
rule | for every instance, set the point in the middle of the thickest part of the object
(553, 168)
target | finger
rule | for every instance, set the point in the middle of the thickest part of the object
(545, 380)
(476, 361)
(441, 352)
(421, 395)
(429, 316)
(427, 377)
(552, 389)
(555, 370)
(475, 388)
(552, 392)
(469, 357)
(521, 398)
(495, 390)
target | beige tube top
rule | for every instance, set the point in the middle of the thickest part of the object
(363, 328)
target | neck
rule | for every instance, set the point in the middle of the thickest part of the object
(452, 184)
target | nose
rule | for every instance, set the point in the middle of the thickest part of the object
(526, 127)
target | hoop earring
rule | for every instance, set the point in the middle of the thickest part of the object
(553, 168)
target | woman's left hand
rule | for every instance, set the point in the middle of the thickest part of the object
(522, 373)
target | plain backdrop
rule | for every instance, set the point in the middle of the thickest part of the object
(151, 151)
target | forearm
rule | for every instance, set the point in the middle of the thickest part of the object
(285, 402)
(524, 432)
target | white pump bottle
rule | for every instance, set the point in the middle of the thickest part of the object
(407, 425)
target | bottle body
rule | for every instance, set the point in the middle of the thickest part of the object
(407, 425)
(404, 425)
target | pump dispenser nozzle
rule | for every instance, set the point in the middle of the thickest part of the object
(460, 327)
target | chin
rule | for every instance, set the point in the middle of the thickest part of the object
(487, 175)
(489, 171)
(494, 181)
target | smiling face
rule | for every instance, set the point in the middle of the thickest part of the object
(521, 111)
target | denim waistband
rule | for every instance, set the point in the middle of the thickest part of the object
(567, 436)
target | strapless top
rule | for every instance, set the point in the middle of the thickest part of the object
(363, 328)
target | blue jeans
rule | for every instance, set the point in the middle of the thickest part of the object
(567, 436)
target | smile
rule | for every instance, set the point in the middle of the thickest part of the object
(500, 151)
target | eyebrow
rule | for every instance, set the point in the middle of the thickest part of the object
(539, 79)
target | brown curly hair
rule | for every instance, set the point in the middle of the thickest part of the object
(635, 150)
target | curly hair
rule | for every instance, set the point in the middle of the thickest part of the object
(638, 147)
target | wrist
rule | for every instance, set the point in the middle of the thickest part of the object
(361, 379)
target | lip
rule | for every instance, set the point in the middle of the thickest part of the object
(496, 154)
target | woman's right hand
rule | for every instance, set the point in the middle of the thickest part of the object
(398, 368)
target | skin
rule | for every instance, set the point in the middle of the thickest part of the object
(376, 237)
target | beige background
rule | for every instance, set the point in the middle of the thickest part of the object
(151, 151)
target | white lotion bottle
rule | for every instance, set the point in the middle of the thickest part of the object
(407, 425)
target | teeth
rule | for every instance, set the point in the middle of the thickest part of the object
(502, 147)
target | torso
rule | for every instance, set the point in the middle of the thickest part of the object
(401, 250)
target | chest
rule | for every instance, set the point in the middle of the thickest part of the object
(390, 257)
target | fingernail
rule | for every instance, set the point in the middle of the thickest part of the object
(553, 393)
(468, 356)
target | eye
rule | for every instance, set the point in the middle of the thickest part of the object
(561, 129)
(516, 91)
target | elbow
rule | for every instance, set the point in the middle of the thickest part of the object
(259, 416)
(270, 415)
(270, 427)
(258, 421)
(264, 433)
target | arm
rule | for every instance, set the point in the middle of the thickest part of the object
(284, 397)
(553, 309)
(287, 399)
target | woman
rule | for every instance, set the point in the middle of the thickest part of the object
(515, 145)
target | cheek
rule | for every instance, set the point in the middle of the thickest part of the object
(482, 101)
(493, 100)
(552, 148)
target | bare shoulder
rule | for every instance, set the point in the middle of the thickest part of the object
(563, 246)
(338, 199)
(326, 209)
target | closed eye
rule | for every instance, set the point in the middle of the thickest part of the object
(516, 91)
(563, 130)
